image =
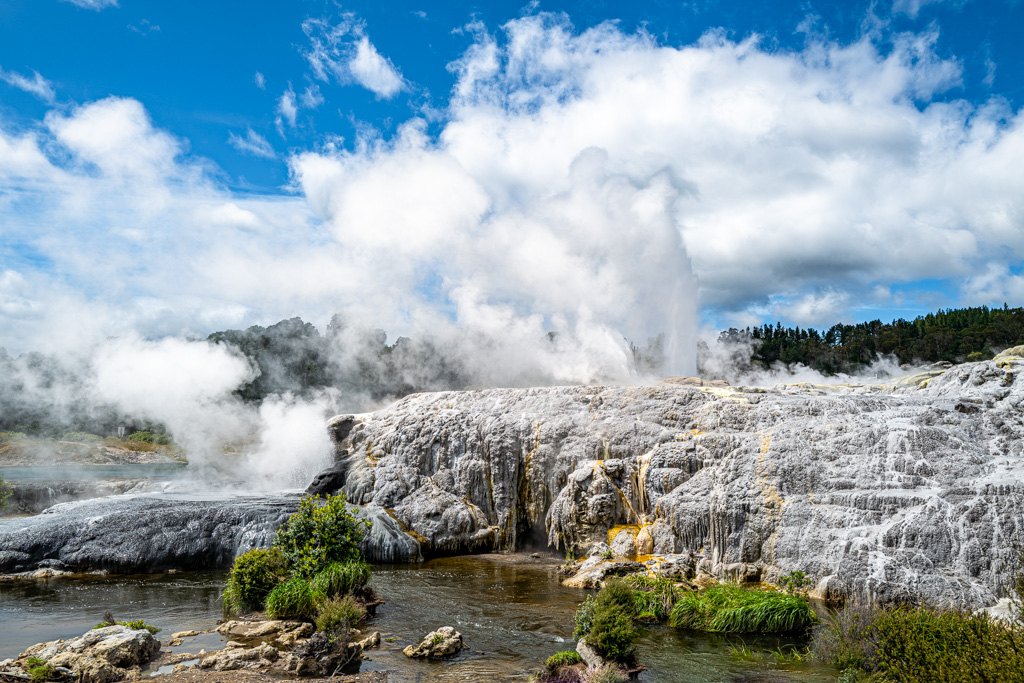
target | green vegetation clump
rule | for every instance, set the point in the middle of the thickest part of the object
(735, 609)
(563, 658)
(40, 671)
(653, 598)
(339, 614)
(5, 494)
(12, 436)
(319, 534)
(342, 578)
(920, 645)
(252, 577)
(149, 437)
(607, 621)
(136, 625)
(296, 598)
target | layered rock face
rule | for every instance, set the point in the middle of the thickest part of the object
(882, 492)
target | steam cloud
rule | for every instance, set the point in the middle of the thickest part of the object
(550, 222)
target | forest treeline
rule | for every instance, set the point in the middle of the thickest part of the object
(953, 335)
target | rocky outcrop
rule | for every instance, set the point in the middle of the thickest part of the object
(151, 533)
(444, 642)
(882, 491)
(102, 655)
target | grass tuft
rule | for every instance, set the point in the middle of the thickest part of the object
(294, 599)
(342, 578)
(735, 609)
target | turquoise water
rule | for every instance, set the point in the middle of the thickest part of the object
(512, 611)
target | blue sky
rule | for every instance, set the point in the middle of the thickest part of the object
(176, 168)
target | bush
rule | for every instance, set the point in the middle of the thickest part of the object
(339, 614)
(733, 609)
(144, 437)
(319, 534)
(5, 494)
(584, 618)
(920, 645)
(294, 599)
(563, 658)
(844, 639)
(12, 436)
(342, 578)
(612, 634)
(252, 577)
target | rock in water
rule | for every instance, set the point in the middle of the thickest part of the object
(102, 655)
(880, 492)
(443, 642)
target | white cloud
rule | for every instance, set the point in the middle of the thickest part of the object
(287, 107)
(571, 171)
(253, 143)
(260, 80)
(344, 51)
(374, 72)
(93, 4)
(37, 85)
(311, 97)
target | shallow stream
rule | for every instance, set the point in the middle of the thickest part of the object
(512, 611)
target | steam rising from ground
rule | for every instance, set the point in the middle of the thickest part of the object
(549, 223)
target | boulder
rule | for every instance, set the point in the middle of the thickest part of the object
(101, 655)
(443, 642)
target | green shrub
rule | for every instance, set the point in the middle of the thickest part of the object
(319, 534)
(563, 658)
(795, 582)
(252, 577)
(584, 618)
(144, 437)
(12, 436)
(920, 645)
(929, 646)
(845, 640)
(342, 578)
(619, 593)
(5, 494)
(294, 599)
(612, 633)
(339, 614)
(734, 609)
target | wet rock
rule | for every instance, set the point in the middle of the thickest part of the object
(150, 533)
(241, 657)
(624, 543)
(593, 572)
(588, 654)
(102, 655)
(264, 630)
(443, 642)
